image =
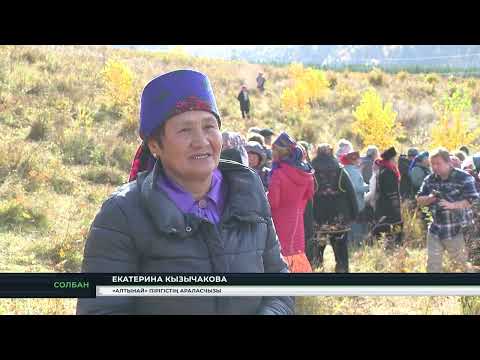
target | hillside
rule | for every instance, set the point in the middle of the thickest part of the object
(458, 58)
(66, 145)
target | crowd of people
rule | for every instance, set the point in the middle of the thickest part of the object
(347, 200)
(203, 200)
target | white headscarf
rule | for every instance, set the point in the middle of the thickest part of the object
(344, 147)
(233, 140)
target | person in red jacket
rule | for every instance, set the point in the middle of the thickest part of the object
(291, 186)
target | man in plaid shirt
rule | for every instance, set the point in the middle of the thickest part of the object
(449, 193)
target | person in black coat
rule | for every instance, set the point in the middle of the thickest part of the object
(334, 203)
(244, 100)
(388, 214)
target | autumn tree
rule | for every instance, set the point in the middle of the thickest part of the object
(454, 127)
(375, 122)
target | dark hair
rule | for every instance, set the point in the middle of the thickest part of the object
(465, 150)
(157, 134)
(442, 153)
(461, 155)
(257, 138)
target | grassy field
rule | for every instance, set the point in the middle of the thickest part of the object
(67, 144)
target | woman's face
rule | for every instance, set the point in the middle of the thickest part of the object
(276, 156)
(253, 160)
(191, 145)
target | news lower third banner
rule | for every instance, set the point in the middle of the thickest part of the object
(81, 285)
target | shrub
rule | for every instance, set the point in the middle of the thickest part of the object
(345, 96)
(64, 252)
(38, 130)
(81, 149)
(32, 56)
(376, 122)
(104, 176)
(432, 79)
(61, 185)
(11, 153)
(307, 131)
(376, 77)
(402, 75)
(471, 83)
(421, 91)
(332, 79)
(122, 156)
(310, 86)
(130, 127)
(14, 214)
(118, 82)
(105, 113)
(470, 305)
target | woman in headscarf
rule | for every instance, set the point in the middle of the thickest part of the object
(234, 147)
(344, 147)
(290, 186)
(256, 160)
(184, 210)
(387, 208)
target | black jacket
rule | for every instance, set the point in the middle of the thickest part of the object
(334, 201)
(405, 187)
(243, 104)
(139, 229)
(388, 200)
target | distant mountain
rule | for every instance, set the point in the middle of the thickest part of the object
(457, 56)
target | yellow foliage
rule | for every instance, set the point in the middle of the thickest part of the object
(177, 53)
(309, 85)
(452, 131)
(375, 122)
(295, 70)
(345, 96)
(118, 82)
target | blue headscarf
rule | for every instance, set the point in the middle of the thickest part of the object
(296, 156)
(420, 157)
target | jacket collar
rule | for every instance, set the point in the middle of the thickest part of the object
(245, 201)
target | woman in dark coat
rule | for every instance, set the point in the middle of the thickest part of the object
(184, 210)
(388, 214)
(334, 204)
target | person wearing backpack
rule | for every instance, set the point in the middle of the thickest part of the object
(335, 207)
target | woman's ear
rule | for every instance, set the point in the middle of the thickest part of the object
(154, 147)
